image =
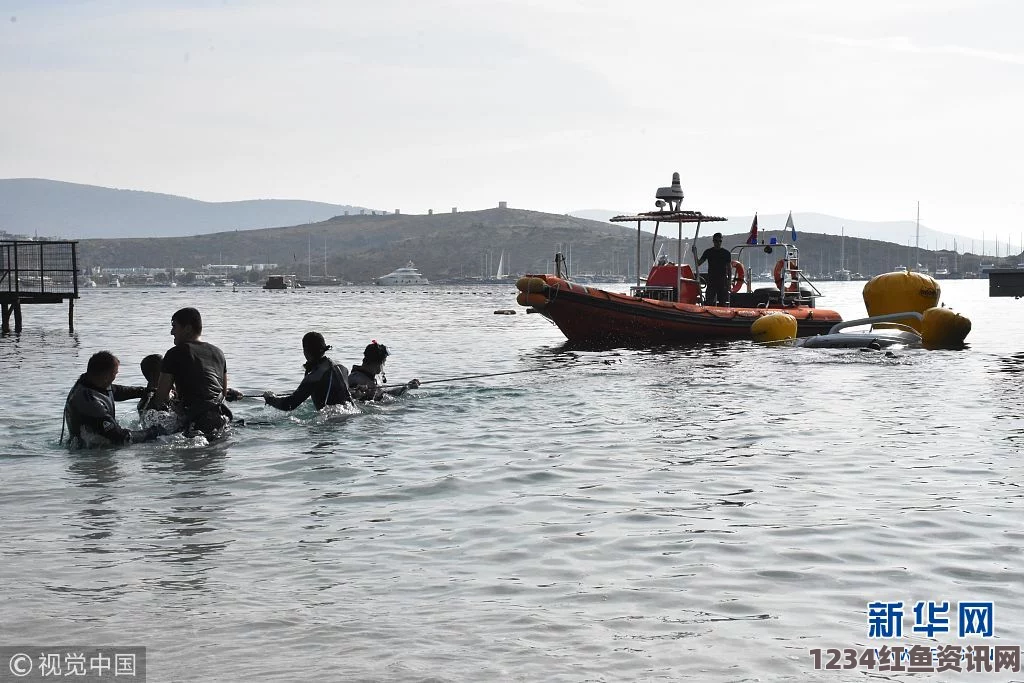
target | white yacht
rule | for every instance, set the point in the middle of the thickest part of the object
(403, 276)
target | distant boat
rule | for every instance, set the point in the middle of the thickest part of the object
(842, 274)
(502, 267)
(281, 282)
(403, 276)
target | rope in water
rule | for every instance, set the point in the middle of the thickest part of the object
(490, 374)
(458, 379)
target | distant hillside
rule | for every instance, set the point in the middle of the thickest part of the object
(360, 248)
(469, 244)
(898, 232)
(32, 206)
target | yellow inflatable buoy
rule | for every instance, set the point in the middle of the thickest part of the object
(774, 327)
(900, 292)
(944, 329)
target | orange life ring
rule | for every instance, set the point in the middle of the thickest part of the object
(738, 276)
(780, 266)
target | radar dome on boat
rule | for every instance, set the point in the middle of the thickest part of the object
(944, 329)
(774, 327)
(900, 292)
(673, 195)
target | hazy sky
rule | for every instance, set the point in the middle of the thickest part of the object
(854, 109)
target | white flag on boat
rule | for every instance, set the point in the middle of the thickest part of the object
(789, 224)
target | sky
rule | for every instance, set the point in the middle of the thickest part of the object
(853, 109)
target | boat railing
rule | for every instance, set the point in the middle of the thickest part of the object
(794, 293)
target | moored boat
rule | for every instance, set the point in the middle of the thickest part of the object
(668, 307)
(408, 275)
(282, 282)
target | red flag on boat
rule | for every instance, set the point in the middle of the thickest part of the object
(752, 237)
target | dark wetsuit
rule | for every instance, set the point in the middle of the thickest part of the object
(325, 381)
(89, 412)
(199, 369)
(361, 380)
(364, 385)
(719, 277)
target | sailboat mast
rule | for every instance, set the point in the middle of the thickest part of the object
(309, 256)
(917, 238)
(842, 248)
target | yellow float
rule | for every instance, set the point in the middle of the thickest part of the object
(900, 292)
(944, 329)
(774, 327)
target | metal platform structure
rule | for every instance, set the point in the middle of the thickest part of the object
(36, 272)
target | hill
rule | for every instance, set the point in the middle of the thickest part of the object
(71, 211)
(897, 232)
(450, 246)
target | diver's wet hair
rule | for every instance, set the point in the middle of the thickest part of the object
(151, 367)
(375, 353)
(189, 316)
(102, 361)
(313, 342)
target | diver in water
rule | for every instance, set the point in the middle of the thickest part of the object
(150, 367)
(362, 380)
(89, 409)
(198, 372)
(325, 381)
(170, 417)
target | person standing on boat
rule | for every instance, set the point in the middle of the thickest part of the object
(89, 409)
(199, 374)
(325, 381)
(719, 271)
(363, 378)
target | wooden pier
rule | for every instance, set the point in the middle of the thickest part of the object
(36, 272)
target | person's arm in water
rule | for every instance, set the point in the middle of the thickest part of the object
(231, 394)
(398, 391)
(163, 391)
(293, 401)
(123, 393)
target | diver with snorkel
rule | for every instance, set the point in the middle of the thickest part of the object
(362, 380)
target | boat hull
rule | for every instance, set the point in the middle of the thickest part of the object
(587, 315)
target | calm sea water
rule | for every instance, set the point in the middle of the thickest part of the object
(706, 513)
